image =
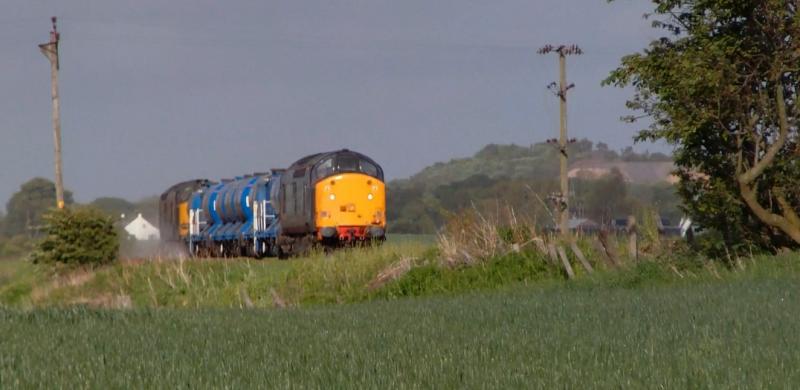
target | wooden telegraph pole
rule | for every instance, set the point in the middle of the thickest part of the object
(562, 198)
(50, 50)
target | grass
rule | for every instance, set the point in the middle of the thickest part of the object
(17, 279)
(512, 321)
(346, 276)
(424, 239)
(433, 279)
(737, 332)
(213, 283)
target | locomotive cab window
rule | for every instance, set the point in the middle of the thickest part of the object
(346, 163)
(324, 169)
(369, 168)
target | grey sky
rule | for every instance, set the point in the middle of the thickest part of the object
(155, 92)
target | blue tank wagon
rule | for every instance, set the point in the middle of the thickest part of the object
(234, 217)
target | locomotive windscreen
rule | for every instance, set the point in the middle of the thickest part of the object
(346, 162)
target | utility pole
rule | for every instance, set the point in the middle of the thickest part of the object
(50, 50)
(562, 198)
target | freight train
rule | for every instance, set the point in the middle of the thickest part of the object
(327, 199)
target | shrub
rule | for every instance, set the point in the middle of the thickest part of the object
(470, 238)
(505, 270)
(80, 236)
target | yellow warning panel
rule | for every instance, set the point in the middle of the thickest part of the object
(350, 199)
(183, 219)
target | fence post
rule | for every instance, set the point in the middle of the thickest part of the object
(607, 248)
(633, 242)
(551, 250)
(565, 261)
(581, 257)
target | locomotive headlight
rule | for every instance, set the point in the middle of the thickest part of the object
(332, 197)
(369, 196)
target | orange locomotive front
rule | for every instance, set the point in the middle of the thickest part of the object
(350, 206)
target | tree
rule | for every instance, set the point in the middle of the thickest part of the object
(114, 207)
(721, 85)
(581, 147)
(26, 206)
(79, 236)
(148, 207)
(606, 197)
(603, 152)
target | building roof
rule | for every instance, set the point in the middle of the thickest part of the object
(582, 223)
(142, 229)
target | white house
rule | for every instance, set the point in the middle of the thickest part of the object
(141, 229)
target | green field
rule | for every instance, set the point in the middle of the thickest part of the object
(740, 332)
(511, 321)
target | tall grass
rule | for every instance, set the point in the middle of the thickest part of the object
(473, 252)
(190, 283)
(472, 237)
(345, 275)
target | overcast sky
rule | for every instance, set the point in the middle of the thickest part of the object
(154, 92)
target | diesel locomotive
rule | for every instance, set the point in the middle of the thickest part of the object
(330, 199)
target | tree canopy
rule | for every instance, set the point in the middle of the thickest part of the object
(721, 85)
(77, 236)
(26, 206)
(114, 207)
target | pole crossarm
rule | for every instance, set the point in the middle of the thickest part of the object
(50, 50)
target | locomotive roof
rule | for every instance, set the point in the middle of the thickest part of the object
(312, 159)
(189, 184)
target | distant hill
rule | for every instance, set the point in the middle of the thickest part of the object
(541, 161)
(607, 183)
